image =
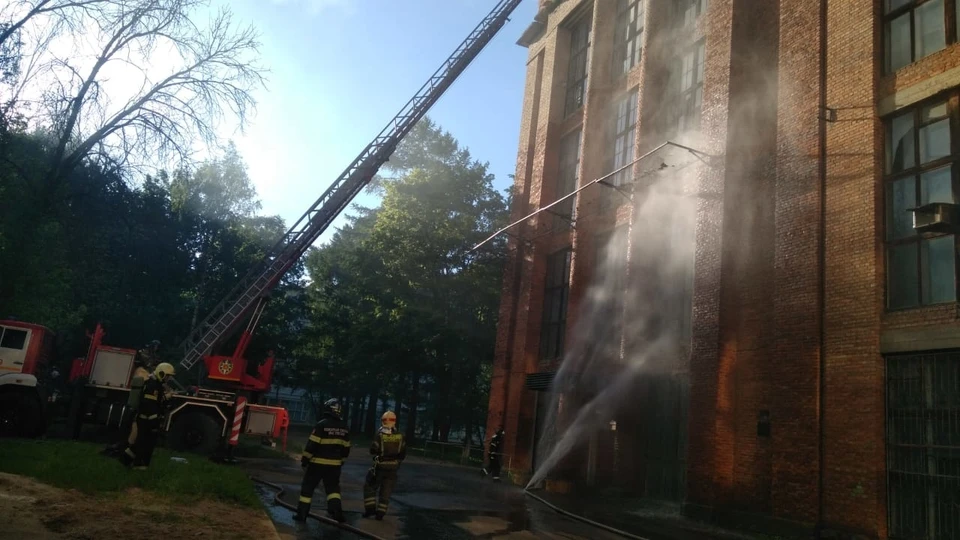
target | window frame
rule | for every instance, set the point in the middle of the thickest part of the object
(562, 290)
(625, 34)
(698, 6)
(576, 90)
(568, 176)
(688, 96)
(616, 309)
(950, 30)
(22, 333)
(631, 100)
(915, 172)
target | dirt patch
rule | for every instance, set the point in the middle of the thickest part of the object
(35, 511)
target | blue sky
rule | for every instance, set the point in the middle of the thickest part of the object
(340, 70)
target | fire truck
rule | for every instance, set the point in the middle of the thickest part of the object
(25, 351)
(201, 419)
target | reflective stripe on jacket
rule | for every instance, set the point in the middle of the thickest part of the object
(329, 444)
(390, 448)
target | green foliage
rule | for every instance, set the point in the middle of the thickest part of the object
(75, 465)
(144, 260)
(400, 306)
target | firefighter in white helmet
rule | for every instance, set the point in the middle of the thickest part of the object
(149, 413)
(388, 450)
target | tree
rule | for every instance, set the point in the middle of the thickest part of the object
(162, 112)
(398, 298)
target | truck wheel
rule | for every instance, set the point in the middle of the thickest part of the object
(21, 414)
(194, 431)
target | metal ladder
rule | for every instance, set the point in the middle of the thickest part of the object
(264, 276)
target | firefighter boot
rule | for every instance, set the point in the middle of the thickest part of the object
(302, 510)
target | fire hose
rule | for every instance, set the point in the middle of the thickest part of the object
(322, 519)
(577, 517)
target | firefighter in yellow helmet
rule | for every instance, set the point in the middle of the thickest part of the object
(388, 450)
(149, 412)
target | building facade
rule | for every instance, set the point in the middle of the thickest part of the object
(817, 384)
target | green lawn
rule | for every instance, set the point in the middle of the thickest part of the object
(77, 465)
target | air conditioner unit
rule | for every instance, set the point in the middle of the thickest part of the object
(935, 218)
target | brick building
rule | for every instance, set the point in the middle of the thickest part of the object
(818, 383)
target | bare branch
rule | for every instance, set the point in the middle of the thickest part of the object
(211, 76)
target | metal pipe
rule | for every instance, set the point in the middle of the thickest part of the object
(693, 151)
(822, 270)
(322, 519)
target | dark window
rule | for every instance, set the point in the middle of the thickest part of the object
(623, 136)
(628, 36)
(555, 296)
(577, 68)
(914, 29)
(611, 267)
(567, 178)
(691, 89)
(693, 9)
(923, 445)
(13, 338)
(920, 169)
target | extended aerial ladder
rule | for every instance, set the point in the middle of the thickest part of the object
(253, 289)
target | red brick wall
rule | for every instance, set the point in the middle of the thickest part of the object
(794, 367)
(710, 447)
(853, 418)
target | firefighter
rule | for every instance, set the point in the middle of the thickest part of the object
(147, 428)
(388, 450)
(328, 446)
(495, 454)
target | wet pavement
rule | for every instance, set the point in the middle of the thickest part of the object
(431, 501)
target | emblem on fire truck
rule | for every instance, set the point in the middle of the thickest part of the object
(225, 367)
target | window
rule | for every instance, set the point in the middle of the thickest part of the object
(624, 137)
(914, 29)
(691, 89)
(920, 169)
(628, 36)
(611, 267)
(923, 445)
(12, 338)
(692, 10)
(567, 179)
(555, 296)
(577, 68)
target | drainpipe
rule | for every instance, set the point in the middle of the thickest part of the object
(821, 286)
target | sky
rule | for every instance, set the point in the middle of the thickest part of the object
(341, 69)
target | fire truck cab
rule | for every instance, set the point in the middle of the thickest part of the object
(25, 354)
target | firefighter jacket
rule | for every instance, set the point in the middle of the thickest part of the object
(496, 441)
(329, 444)
(151, 399)
(388, 449)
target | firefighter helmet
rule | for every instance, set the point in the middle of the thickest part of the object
(332, 405)
(163, 371)
(388, 420)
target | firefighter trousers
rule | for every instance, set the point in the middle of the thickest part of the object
(330, 476)
(495, 466)
(143, 439)
(376, 494)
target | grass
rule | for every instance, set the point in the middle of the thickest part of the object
(77, 465)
